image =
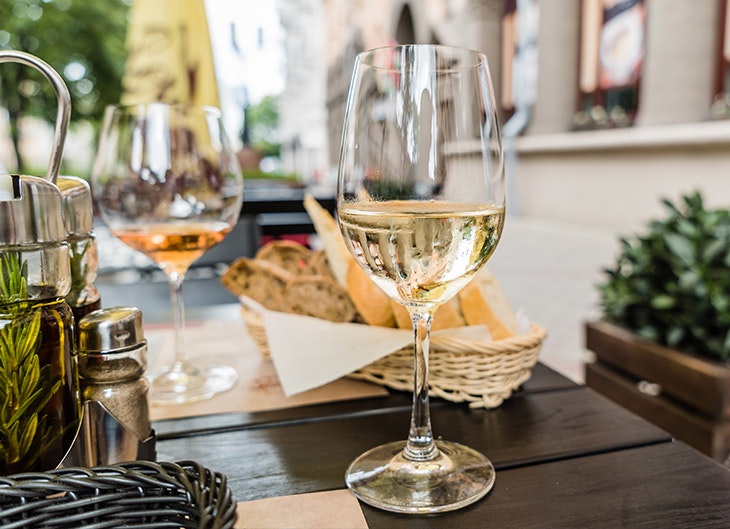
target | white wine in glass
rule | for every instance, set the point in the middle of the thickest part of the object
(167, 183)
(421, 204)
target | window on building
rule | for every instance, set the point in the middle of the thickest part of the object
(612, 51)
(720, 108)
(509, 51)
(519, 58)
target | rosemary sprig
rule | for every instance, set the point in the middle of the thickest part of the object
(25, 386)
(14, 278)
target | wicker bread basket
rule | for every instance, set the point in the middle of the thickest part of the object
(137, 494)
(483, 374)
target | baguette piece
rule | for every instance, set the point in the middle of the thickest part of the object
(338, 255)
(447, 316)
(477, 311)
(401, 315)
(496, 299)
(319, 297)
(289, 255)
(372, 304)
(261, 281)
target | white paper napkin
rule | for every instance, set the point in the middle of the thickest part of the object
(309, 352)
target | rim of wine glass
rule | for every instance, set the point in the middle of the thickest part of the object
(123, 107)
(480, 58)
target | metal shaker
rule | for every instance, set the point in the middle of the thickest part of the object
(112, 357)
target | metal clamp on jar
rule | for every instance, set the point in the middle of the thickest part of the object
(112, 357)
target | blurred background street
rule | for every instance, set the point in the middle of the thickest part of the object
(605, 111)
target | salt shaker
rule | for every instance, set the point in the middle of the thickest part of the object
(112, 355)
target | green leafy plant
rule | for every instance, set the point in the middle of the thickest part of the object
(26, 433)
(672, 285)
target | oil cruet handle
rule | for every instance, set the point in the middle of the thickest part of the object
(64, 104)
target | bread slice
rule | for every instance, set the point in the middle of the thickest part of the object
(477, 311)
(318, 265)
(447, 316)
(319, 297)
(373, 304)
(334, 245)
(261, 281)
(496, 299)
(290, 255)
(401, 315)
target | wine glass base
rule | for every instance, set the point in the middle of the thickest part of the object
(457, 477)
(185, 383)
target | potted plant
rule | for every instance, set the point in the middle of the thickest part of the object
(663, 344)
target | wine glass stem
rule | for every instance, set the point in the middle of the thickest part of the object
(178, 317)
(420, 445)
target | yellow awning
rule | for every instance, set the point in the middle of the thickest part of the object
(169, 54)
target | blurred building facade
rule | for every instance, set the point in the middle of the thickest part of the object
(302, 111)
(611, 177)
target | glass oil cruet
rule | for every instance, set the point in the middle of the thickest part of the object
(39, 400)
(83, 297)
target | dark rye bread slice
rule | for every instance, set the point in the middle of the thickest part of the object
(319, 297)
(319, 265)
(289, 255)
(259, 280)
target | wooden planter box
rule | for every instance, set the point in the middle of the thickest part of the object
(687, 396)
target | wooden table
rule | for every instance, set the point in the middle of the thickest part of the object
(565, 457)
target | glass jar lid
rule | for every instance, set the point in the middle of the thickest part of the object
(31, 209)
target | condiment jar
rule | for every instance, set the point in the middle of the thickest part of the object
(78, 213)
(112, 357)
(41, 410)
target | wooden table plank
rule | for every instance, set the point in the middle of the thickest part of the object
(543, 379)
(663, 486)
(264, 461)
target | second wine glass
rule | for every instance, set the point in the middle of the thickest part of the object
(167, 183)
(420, 202)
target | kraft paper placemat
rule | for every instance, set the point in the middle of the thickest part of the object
(334, 509)
(258, 387)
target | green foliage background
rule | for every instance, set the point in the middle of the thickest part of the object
(261, 126)
(61, 32)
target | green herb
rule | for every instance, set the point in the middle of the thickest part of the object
(14, 278)
(25, 387)
(671, 285)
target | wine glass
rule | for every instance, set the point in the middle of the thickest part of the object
(420, 203)
(167, 183)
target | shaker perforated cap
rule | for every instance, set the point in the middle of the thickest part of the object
(110, 330)
(31, 211)
(78, 213)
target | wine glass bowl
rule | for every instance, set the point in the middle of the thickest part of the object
(421, 205)
(166, 182)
